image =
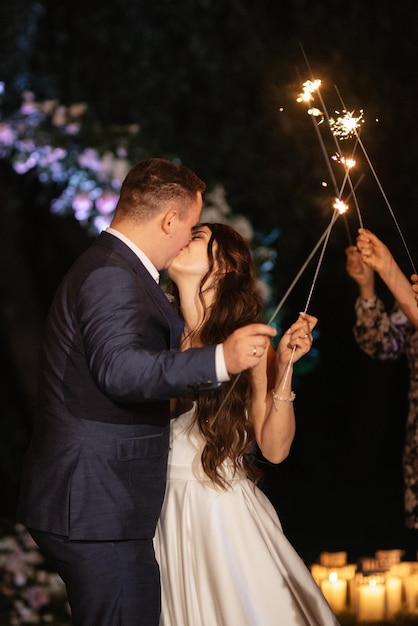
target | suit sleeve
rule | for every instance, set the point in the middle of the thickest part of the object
(124, 336)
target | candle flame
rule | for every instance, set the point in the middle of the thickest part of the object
(341, 206)
(345, 126)
(333, 577)
(309, 87)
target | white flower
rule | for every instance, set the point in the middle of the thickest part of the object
(217, 197)
(243, 226)
(212, 215)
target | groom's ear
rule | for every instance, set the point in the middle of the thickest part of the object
(168, 220)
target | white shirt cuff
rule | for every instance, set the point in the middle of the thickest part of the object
(221, 371)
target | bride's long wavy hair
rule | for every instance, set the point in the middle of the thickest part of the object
(224, 416)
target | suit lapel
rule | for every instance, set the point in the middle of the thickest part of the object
(166, 308)
(154, 290)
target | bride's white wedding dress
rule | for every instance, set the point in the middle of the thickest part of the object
(223, 557)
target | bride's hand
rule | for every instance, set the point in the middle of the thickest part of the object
(297, 340)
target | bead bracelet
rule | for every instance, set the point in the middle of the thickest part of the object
(277, 397)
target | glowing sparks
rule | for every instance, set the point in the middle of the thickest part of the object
(315, 112)
(346, 125)
(309, 87)
(348, 163)
(340, 206)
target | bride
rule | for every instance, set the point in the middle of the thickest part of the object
(223, 557)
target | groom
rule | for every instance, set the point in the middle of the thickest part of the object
(95, 471)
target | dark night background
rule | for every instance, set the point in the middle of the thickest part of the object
(205, 79)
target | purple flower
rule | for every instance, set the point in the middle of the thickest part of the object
(37, 596)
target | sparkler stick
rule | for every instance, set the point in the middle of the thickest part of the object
(325, 236)
(337, 211)
(348, 164)
(298, 275)
(353, 195)
(333, 220)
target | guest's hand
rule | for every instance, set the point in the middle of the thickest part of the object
(357, 268)
(373, 251)
(414, 279)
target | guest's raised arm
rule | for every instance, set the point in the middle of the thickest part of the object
(377, 256)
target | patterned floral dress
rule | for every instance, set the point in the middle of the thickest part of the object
(386, 337)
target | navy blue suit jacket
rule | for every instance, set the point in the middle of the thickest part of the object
(96, 465)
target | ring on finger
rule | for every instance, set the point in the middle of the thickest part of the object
(254, 351)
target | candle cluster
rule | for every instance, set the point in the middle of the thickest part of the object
(374, 589)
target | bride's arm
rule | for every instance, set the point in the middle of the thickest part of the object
(272, 405)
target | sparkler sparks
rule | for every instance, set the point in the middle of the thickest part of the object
(347, 162)
(345, 126)
(316, 113)
(340, 206)
(309, 87)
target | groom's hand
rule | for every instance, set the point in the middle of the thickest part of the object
(246, 346)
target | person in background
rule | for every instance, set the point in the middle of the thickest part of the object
(223, 556)
(386, 335)
(95, 471)
(378, 257)
(414, 279)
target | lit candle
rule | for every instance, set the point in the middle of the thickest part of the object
(403, 569)
(319, 572)
(333, 559)
(393, 595)
(348, 573)
(335, 591)
(387, 558)
(411, 592)
(370, 599)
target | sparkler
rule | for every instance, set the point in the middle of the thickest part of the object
(307, 95)
(309, 87)
(340, 208)
(342, 127)
(346, 125)
(348, 163)
(381, 189)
